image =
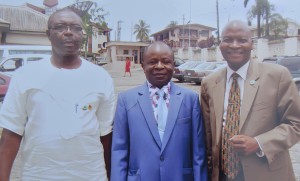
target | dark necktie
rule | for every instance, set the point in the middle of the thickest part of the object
(230, 159)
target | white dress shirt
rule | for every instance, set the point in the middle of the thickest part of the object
(242, 71)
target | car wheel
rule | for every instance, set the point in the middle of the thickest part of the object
(181, 79)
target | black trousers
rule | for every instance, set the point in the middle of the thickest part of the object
(239, 177)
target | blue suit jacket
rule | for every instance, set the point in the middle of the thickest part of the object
(137, 151)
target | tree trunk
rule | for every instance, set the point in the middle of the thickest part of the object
(267, 23)
(258, 24)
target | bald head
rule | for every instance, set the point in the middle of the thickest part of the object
(156, 46)
(237, 24)
(236, 44)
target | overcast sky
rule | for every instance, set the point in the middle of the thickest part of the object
(159, 13)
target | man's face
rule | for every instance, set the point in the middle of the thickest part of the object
(236, 45)
(65, 33)
(158, 64)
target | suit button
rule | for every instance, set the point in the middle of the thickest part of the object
(162, 158)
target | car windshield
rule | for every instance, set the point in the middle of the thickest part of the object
(206, 66)
(293, 64)
(189, 65)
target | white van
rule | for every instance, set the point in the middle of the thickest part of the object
(7, 50)
(12, 62)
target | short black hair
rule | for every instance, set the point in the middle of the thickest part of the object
(59, 11)
(158, 42)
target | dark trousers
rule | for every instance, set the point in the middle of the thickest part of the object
(239, 177)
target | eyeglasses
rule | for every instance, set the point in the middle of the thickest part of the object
(64, 28)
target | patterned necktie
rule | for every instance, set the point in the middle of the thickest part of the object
(162, 110)
(230, 159)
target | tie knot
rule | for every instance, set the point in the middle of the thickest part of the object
(160, 92)
(235, 76)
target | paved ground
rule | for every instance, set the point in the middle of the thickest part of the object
(124, 83)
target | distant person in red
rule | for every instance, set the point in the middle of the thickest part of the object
(127, 66)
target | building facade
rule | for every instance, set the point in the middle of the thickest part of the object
(118, 51)
(183, 36)
(18, 24)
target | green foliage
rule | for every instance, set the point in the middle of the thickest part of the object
(278, 26)
(91, 15)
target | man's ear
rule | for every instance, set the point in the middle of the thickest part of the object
(48, 33)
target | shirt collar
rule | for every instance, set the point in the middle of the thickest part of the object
(153, 89)
(242, 71)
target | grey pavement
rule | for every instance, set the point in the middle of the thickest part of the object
(138, 78)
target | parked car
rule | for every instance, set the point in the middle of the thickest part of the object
(178, 62)
(178, 71)
(4, 82)
(297, 82)
(290, 62)
(7, 50)
(197, 73)
(101, 61)
(11, 63)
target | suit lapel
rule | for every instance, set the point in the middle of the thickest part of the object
(218, 98)
(146, 107)
(250, 89)
(175, 104)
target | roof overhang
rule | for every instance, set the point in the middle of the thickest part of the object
(127, 43)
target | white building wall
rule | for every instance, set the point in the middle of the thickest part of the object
(290, 46)
(95, 43)
(276, 49)
(113, 53)
(262, 49)
(27, 39)
(211, 54)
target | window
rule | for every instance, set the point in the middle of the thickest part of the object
(204, 33)
(125, 52)
(11, 64)
(13, 52)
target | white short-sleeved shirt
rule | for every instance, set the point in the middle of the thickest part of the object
(61, 114)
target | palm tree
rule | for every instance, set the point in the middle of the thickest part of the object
(142, 30)
(261, 9)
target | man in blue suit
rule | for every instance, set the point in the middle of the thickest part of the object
(158, 136)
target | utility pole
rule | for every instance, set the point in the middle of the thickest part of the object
(218, 28)
(119, 30)
(183, 30)
(190, 23)
(131, 32)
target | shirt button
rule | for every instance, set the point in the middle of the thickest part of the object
(162, 158)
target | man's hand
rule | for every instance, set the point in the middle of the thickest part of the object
(244, 145)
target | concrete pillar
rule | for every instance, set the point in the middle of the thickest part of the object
(291, 46)
(262, 49)
(204, 54)
(190, 54)
(219, 55)
(113, 54)
(180, 53)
